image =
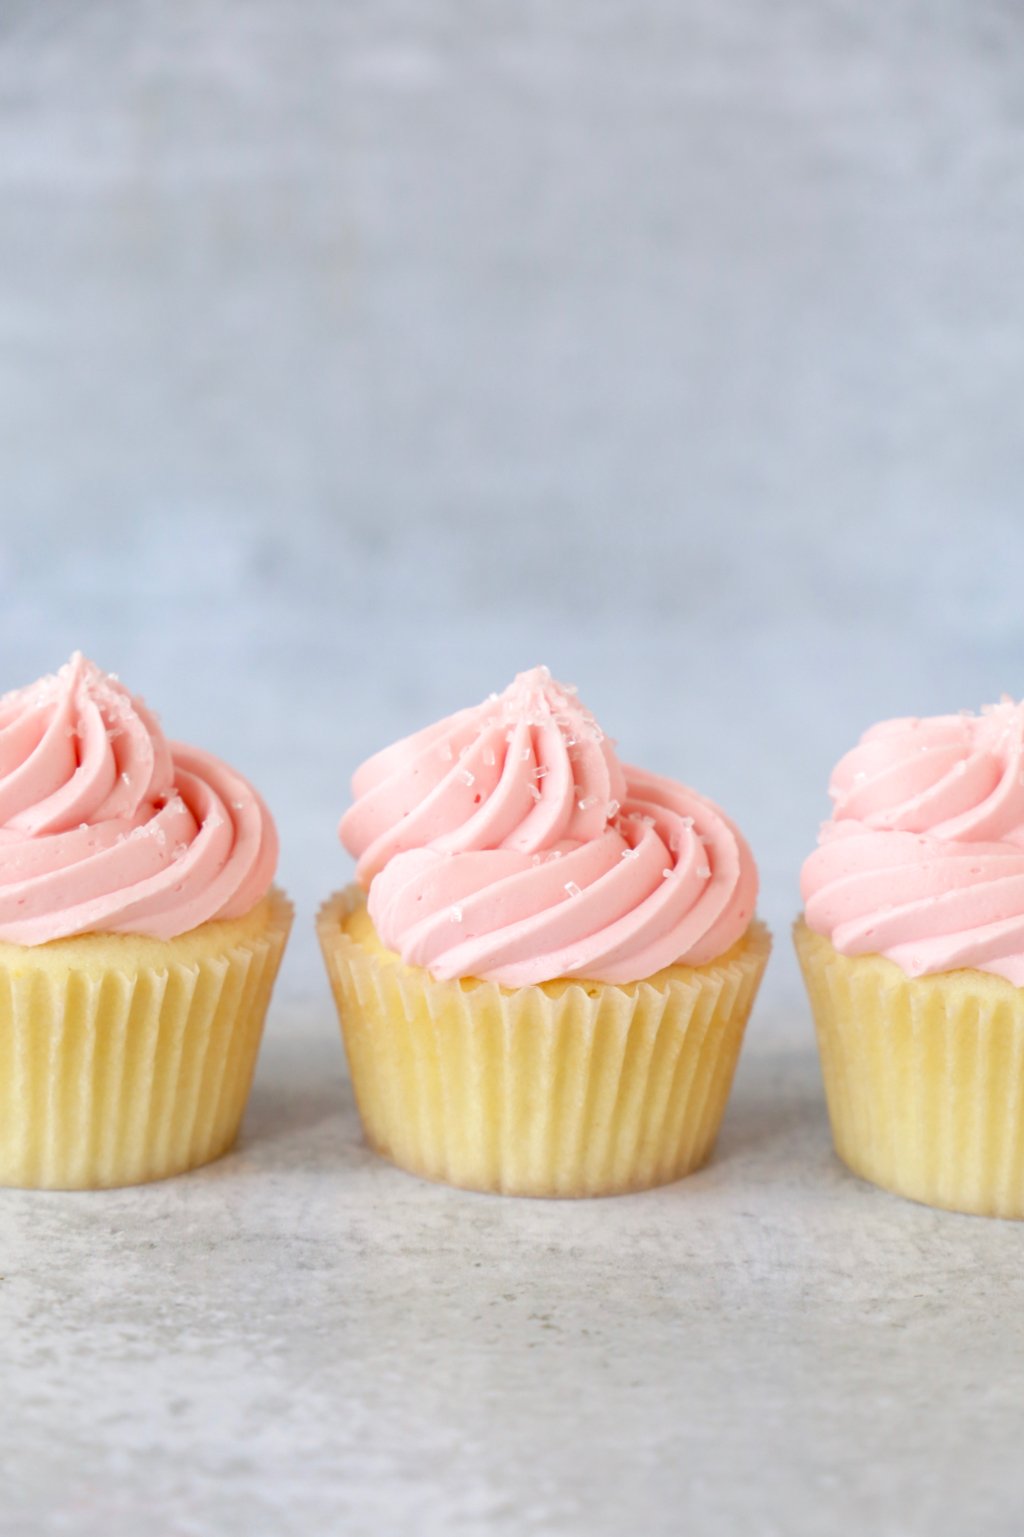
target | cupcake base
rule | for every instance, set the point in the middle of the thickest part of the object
(924, 1077)
(568, 1088)
(125, 1059)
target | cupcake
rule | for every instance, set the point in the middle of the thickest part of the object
(912, 948)
(546, 966)
(139, 939)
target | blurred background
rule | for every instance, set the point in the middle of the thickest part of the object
(354, 357)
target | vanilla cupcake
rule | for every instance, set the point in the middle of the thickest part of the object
(912, 948)
(139, 939)
(545, 970)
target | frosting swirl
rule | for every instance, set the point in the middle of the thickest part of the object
(105, 826)
(923, 858)
(508, 842)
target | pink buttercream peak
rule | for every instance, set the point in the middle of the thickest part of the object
(106, 826)
(534, 697)
(923, 858)
(509, 842)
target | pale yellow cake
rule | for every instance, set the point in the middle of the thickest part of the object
(125, 1059)
(564, 1088)
(924, 1076)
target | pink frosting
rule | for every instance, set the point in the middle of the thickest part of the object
(105, 826)
(508, 842)
(923, 859)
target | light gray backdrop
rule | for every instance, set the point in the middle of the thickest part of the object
(353, 357)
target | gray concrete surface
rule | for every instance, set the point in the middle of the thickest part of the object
(353, 357)
(302, 1339)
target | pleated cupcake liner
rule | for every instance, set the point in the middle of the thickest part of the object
(924, 1077)
(116, 1074)
(563, 1089)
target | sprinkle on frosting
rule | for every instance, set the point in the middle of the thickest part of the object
(553, 854)
(923, 858)
(105, 826)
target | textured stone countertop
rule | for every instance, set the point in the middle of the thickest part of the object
(303, 1339)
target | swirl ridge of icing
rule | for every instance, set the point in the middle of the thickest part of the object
(107, 827)
(922, 860)
(508, 842)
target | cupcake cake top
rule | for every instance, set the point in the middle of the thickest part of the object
(106, 826)
(923, 858)
(509, 842)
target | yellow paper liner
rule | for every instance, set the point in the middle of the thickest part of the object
(125, 1059)
(563, 1089)
(924, 1077)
